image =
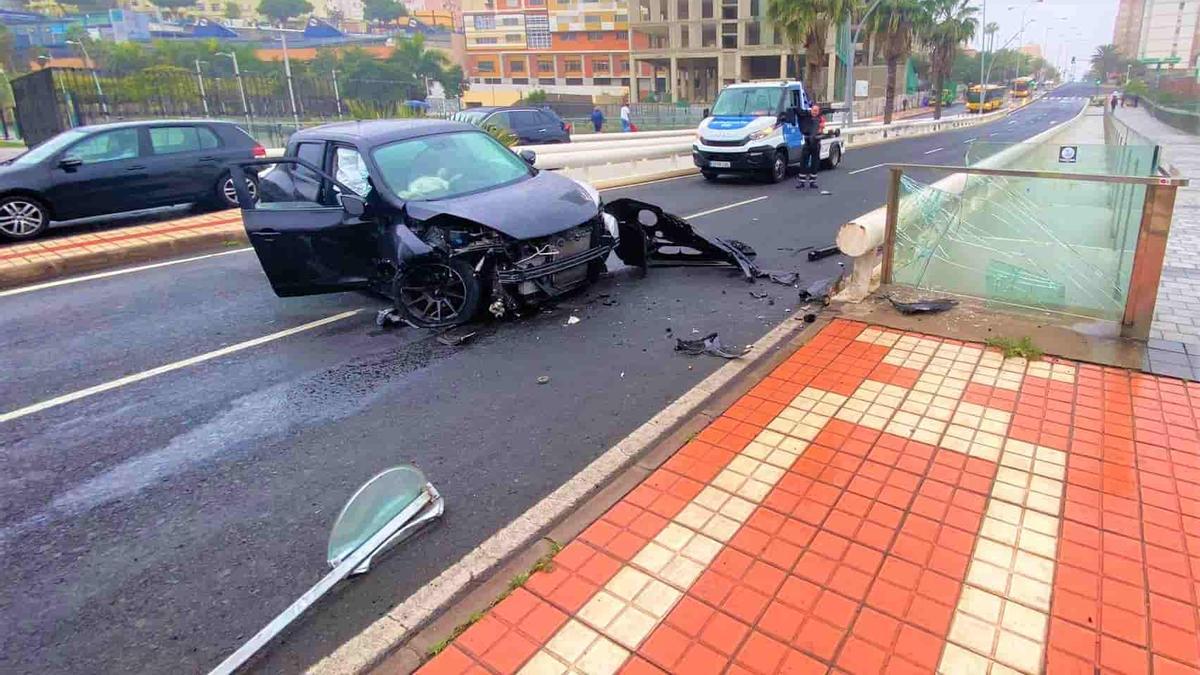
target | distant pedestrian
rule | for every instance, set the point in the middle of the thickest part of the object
(1123, 96)
(1113, 101)
(597, 119)
(1136, 99)
(626, 122)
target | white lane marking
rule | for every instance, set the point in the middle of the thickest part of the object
(114, 273)
(726, 207)
(153, 372)
(970, 140)
(994, 133)
(875, 166)
(934, 150)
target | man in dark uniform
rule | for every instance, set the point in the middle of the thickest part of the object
(812, 125)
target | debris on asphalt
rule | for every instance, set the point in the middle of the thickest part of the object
(826, 192)
(795, 250)
(923, 306)
(651, 236)
(387, 318)
(709, 344)
(572, 320)
(820, 253)
(809, 318)
(543, 379)
(821, 290)
(759, 296)
(456, 337)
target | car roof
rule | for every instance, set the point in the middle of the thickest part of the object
(151, 123)
(374, 132)
(765, 83)
(502, 108)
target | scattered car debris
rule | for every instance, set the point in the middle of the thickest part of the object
(709, 344)
(809, 318)
(572, 320)
(923, 306)
(826, 192)
(456, 337)
(387, 318)
(821, 290)
(820, 253)
(543, 379)
(651, 236)
(781, 278)
(759, 296)
(795, 250)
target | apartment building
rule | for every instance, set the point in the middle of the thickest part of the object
(548, 44)
(1159, 30)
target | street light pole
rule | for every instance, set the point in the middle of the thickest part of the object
(200, 81)
(237, 75)
(849, 88)
(982, 57)
(95, 79)
(287, 72)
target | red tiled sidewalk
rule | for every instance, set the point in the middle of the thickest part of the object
(46, 259)
(889, 503)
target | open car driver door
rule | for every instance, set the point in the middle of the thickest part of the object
(308, 247)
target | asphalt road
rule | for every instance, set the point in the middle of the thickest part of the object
(155, 526)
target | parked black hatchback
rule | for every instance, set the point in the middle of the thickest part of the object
(531, 126)
(111, 168)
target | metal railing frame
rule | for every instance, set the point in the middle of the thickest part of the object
(1148, 255)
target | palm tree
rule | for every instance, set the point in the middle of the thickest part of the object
(791, 19)
(425, 64)
(952, 22)
(821, 15)
(897, 23)
(1107, 59)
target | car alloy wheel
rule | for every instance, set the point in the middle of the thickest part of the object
(21, 218)
(435, 295)
(230, 193)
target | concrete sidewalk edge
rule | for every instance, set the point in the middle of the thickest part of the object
(403, 635)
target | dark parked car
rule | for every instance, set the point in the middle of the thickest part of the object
(445, 220)
(110, 168)
(532, 126)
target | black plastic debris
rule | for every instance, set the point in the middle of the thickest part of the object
(795, 250)
(456, 337)
(388, 318)
(821, 289)
(820, 253)
(709, 344)
(923, 306)
(781, 278)
(651, 236)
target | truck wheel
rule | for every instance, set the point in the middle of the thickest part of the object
(835, 158)
(709, 175)
(779, 167)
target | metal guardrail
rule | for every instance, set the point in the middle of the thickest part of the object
(1148, 255)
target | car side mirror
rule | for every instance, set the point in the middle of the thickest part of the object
(353, 204)
(70, 164)
(529, 156)
(705, 112)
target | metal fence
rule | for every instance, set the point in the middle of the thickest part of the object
(54, 99)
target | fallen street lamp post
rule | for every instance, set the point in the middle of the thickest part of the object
(386, 510)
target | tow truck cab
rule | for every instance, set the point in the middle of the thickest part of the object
(753, 128)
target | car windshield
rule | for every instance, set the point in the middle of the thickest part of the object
(50, 146)
(447, 165)
(756, 101)
(470, 116)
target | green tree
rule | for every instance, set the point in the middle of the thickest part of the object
(383, 11)
(233, 10)
(822, 15)
(1107, 59)
(279, 11)
(791, 19)
(415, 61)
(535, 97)
(454, 81)
(173, 7)
(897, 23)
(8, 55)
(952, 22)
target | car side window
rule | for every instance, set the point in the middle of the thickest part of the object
(313, 153)
(349, 169)
(500, 119)
(525, 119)
(208, 139)
(174, 140)
(548, 119)
(107, 146)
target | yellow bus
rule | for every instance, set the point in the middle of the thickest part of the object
(1022, 87)
(992, 98)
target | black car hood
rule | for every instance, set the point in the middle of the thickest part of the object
(539, 206)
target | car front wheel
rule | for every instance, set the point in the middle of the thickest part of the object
(227, 194)
(438, 294)
(709, 175)
(22, 218)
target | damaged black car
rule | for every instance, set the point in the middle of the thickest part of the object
(446, 221)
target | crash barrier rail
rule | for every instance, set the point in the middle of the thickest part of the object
(862, 238)
(1009, 255)
(641, 156)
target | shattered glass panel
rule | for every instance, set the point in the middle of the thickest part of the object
(373, 506)
(1043, 243)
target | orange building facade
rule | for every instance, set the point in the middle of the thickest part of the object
(547, 42)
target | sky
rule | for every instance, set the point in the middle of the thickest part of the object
(1076, 27)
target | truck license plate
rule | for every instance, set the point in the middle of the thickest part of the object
(719, 165)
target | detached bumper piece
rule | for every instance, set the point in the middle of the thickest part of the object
(653, 237)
